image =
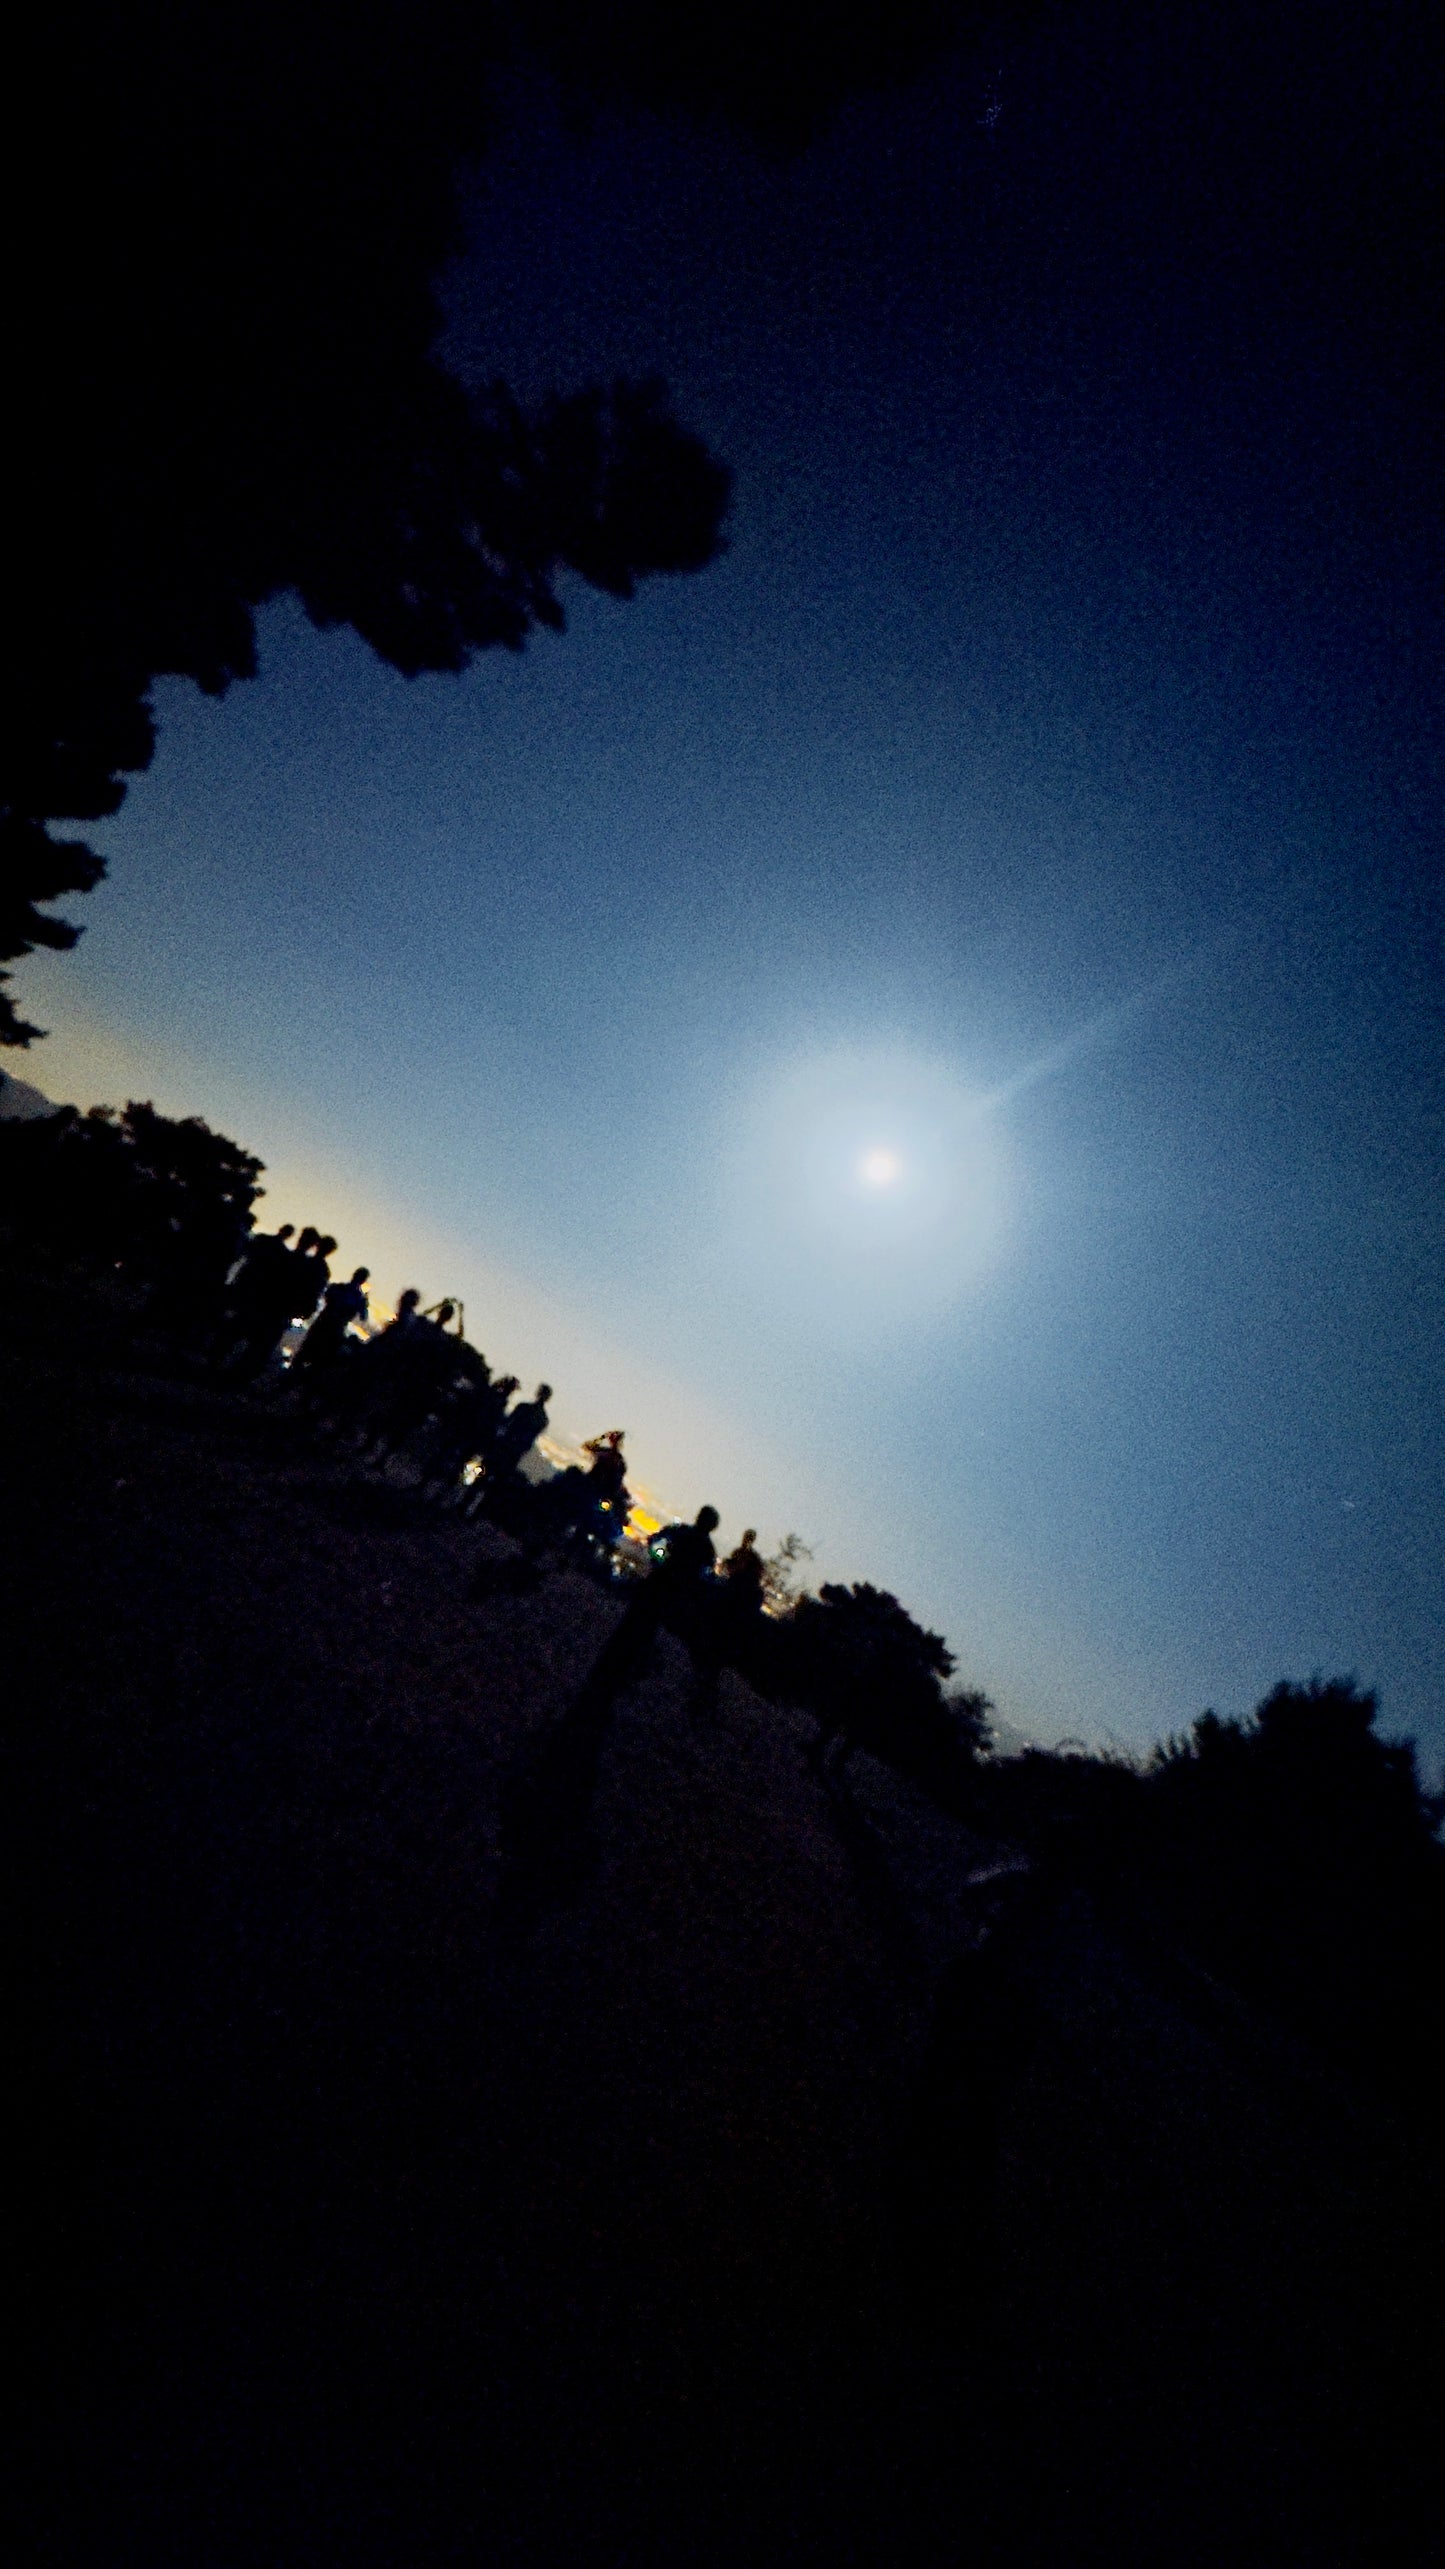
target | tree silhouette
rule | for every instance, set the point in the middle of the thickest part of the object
(135, 1189)
(225, 232)
(873, 1679)
(782, 1571)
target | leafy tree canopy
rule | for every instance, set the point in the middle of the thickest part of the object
(851, 1643)
(136, 1188)
(875, 1679)
(224, 230)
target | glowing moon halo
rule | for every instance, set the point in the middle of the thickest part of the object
(871, 1185)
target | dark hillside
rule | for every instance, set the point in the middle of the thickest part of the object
(786, 2195)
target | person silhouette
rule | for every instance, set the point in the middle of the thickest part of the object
(263, 1301)
(263, 1263)
(548, 1850)
(746, 1573)
(425, 1369)
(722, 1633)
(466, 1425)
(683, 1557)
(608, 1469)
(341, 1305)
(313, 1275)
(518, 1431)
(366, 1386)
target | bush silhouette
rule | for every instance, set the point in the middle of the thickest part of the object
(1293, 1856)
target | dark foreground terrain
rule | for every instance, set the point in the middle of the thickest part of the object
(365, 2224)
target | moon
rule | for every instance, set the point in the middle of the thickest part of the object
(870, 1185)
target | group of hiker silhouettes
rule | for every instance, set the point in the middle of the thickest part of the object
(417, 1384)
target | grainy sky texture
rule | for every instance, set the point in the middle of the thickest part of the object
(1042, 792)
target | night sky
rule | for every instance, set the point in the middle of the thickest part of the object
(1042, 792)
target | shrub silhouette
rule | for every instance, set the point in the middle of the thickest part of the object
(1298, 1854)
(1294, 1856)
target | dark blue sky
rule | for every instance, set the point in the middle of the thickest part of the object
(1045, 787)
